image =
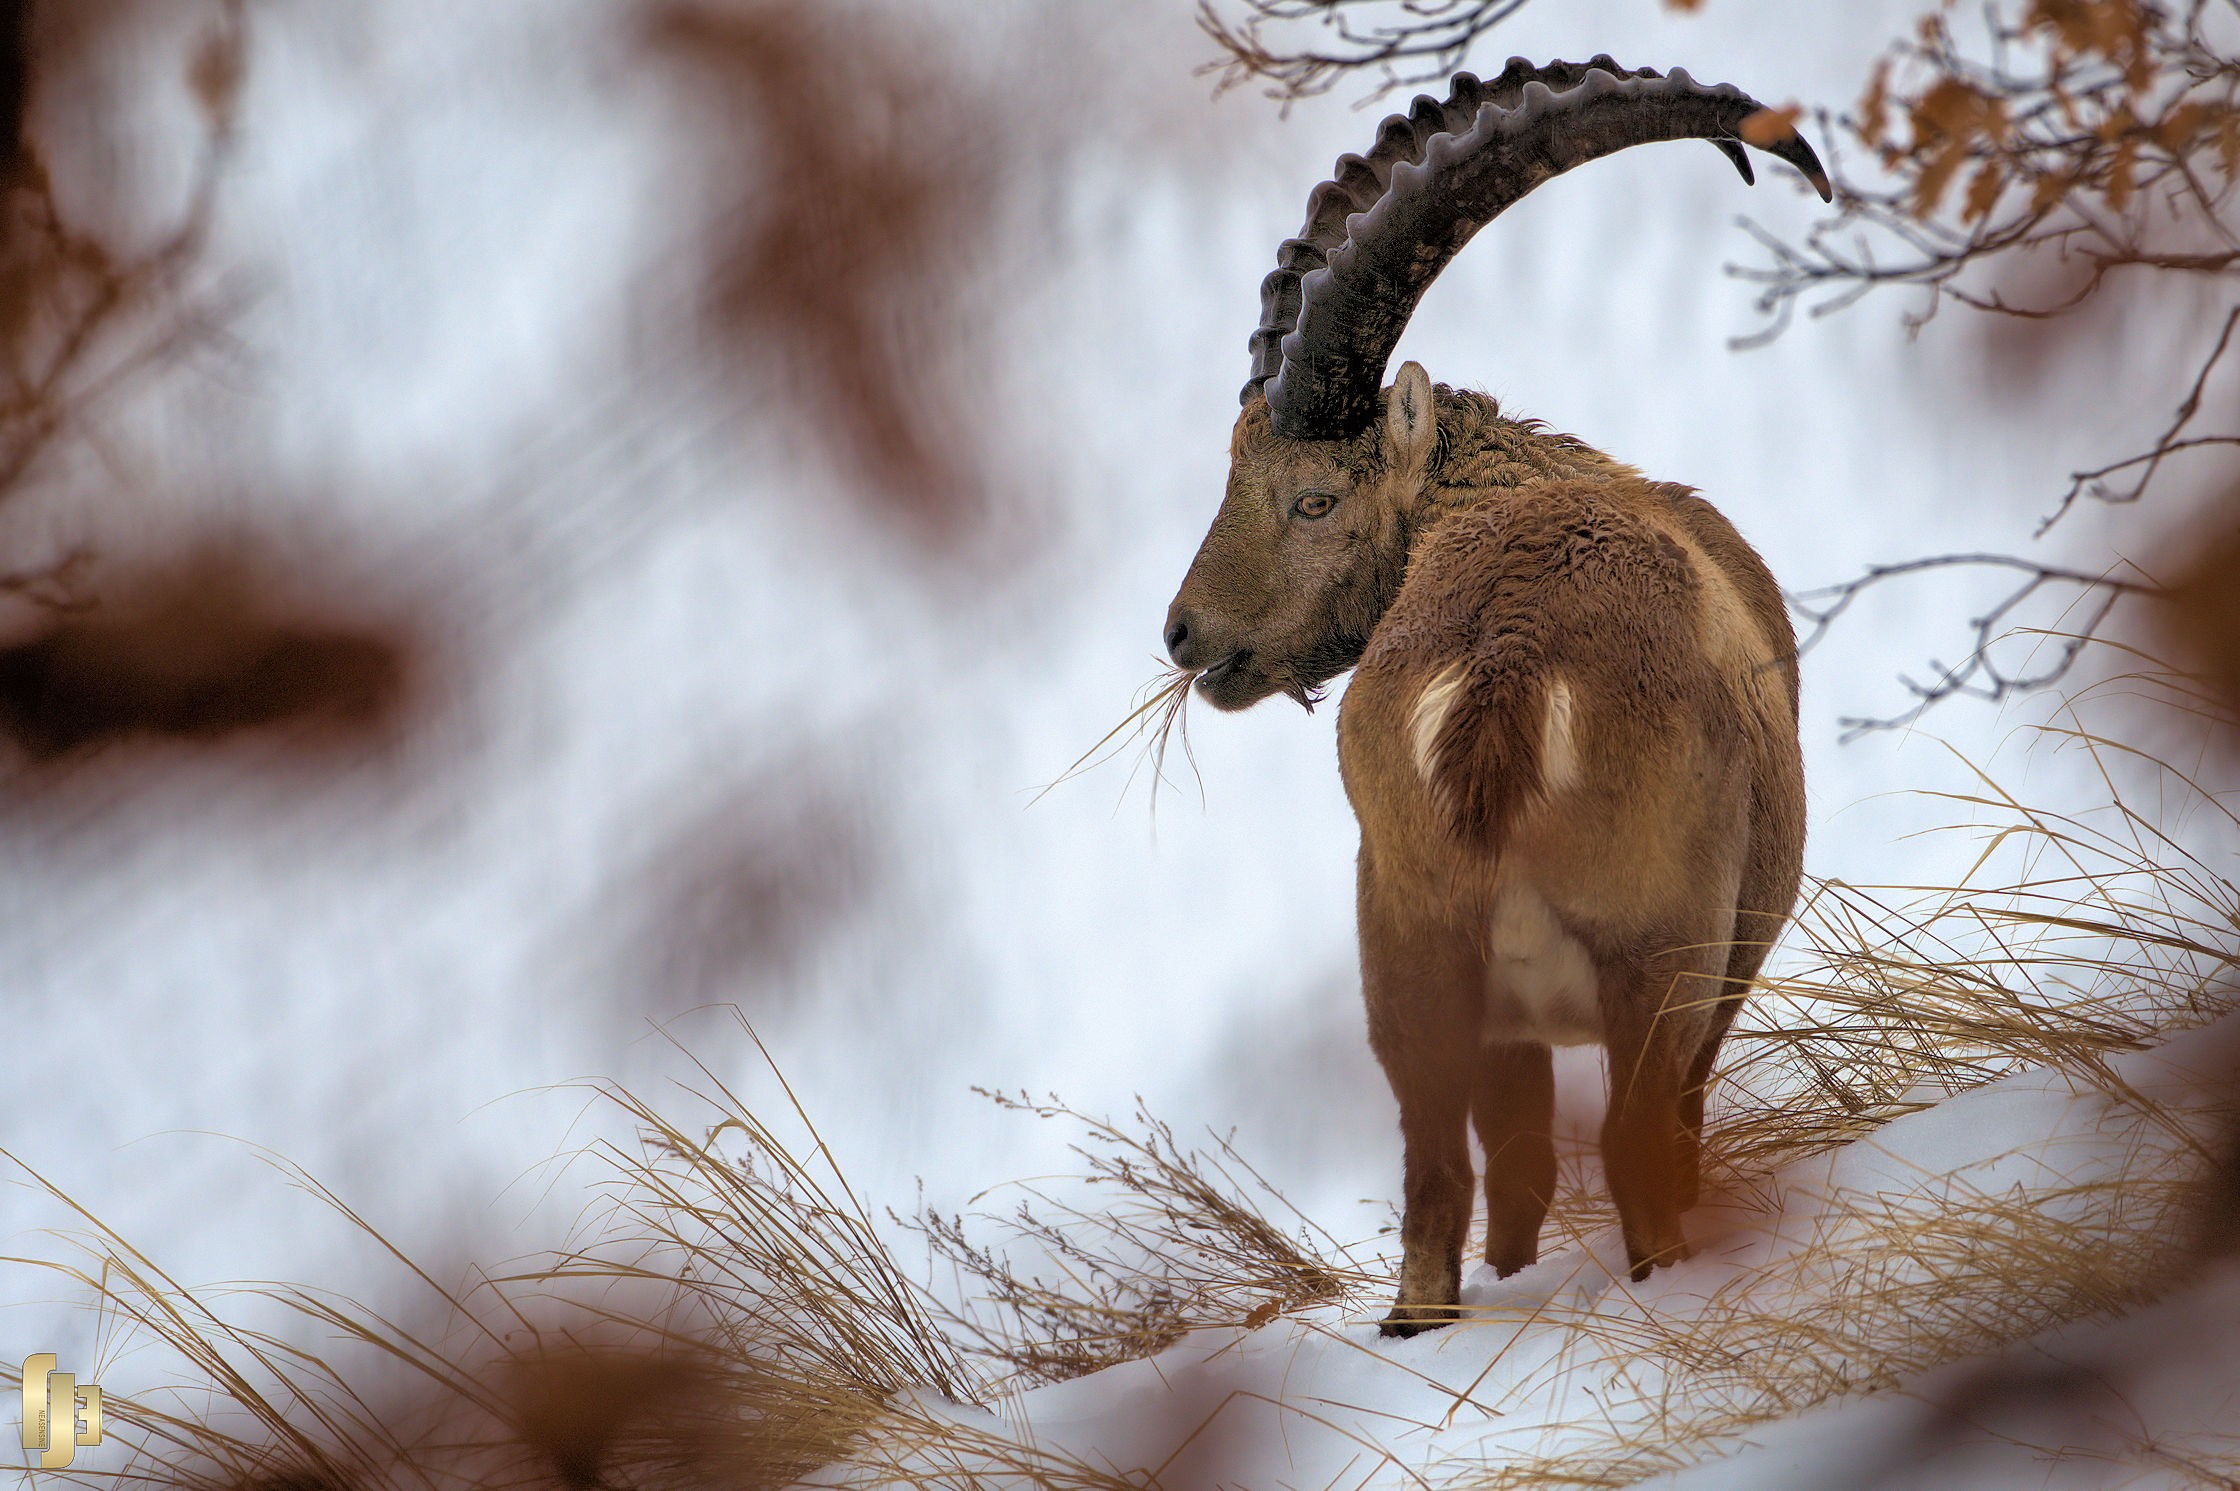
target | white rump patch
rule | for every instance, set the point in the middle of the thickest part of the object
(1431, 713)
(1540, 983)
(1559, 747)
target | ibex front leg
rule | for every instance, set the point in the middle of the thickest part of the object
(1425, 988)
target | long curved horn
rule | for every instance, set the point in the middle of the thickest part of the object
(1380, 230)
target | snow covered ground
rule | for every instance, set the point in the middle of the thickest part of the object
(2029, 1201)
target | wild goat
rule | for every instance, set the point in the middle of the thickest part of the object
(1571, 737)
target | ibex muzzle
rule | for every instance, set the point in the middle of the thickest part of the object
(1571, 739)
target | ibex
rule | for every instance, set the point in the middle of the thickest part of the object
(1571, 736)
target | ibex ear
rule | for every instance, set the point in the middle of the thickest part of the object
(1409, 420)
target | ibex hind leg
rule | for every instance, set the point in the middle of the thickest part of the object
(1693, 1089)
(1514, 1108)
(1653, 1024)
(1753, 939)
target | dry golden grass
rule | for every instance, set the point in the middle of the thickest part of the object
(1181, 1239)
(520, 1381)
(1900, 1286)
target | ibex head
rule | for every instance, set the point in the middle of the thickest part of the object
(1328, 470)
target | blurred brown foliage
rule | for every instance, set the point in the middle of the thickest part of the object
(95, 291)
(748, 884)
(15, 79)
(2201, 616)
(205, 646)
(598, 1418)
(2200, 620)
(559, 1412)
(854, 176)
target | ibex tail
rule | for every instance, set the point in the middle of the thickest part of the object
(1493, 735)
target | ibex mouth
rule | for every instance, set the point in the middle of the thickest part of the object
(1228, 665)
(1234, 682)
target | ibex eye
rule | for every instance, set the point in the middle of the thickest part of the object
(1314, 505)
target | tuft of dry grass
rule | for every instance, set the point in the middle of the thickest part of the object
(1901, 1286)
(510, 1384)
(1184, 1240)
(774, 1253)
(1158, 716)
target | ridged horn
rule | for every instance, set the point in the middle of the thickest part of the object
(1380, 230)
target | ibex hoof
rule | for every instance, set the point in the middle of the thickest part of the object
(1514, 1261)
(1676, 1253)
(1409, 1320)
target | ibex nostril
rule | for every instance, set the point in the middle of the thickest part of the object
(1178, 637)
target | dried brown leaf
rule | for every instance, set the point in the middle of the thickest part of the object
(215, 75)
(849, 294)
(198, 649)
(1956, 110)
(2122, 173)
(1874, 107)
(2201, 615)
(1984, 189)
(1769, 127)
(1935, 175)
(2176, 130)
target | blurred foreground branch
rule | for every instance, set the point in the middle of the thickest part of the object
(74, 322)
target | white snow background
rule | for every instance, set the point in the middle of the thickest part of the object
(452, 237)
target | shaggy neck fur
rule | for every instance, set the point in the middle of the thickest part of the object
(1482, 453)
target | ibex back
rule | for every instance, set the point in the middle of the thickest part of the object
(1571, 739)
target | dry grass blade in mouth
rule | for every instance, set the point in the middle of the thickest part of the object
(1161, 706)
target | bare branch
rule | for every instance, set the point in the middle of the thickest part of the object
(1399, 45)
(1981, 674)
(2094, 482)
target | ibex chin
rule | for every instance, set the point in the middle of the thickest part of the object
(1571, 736)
